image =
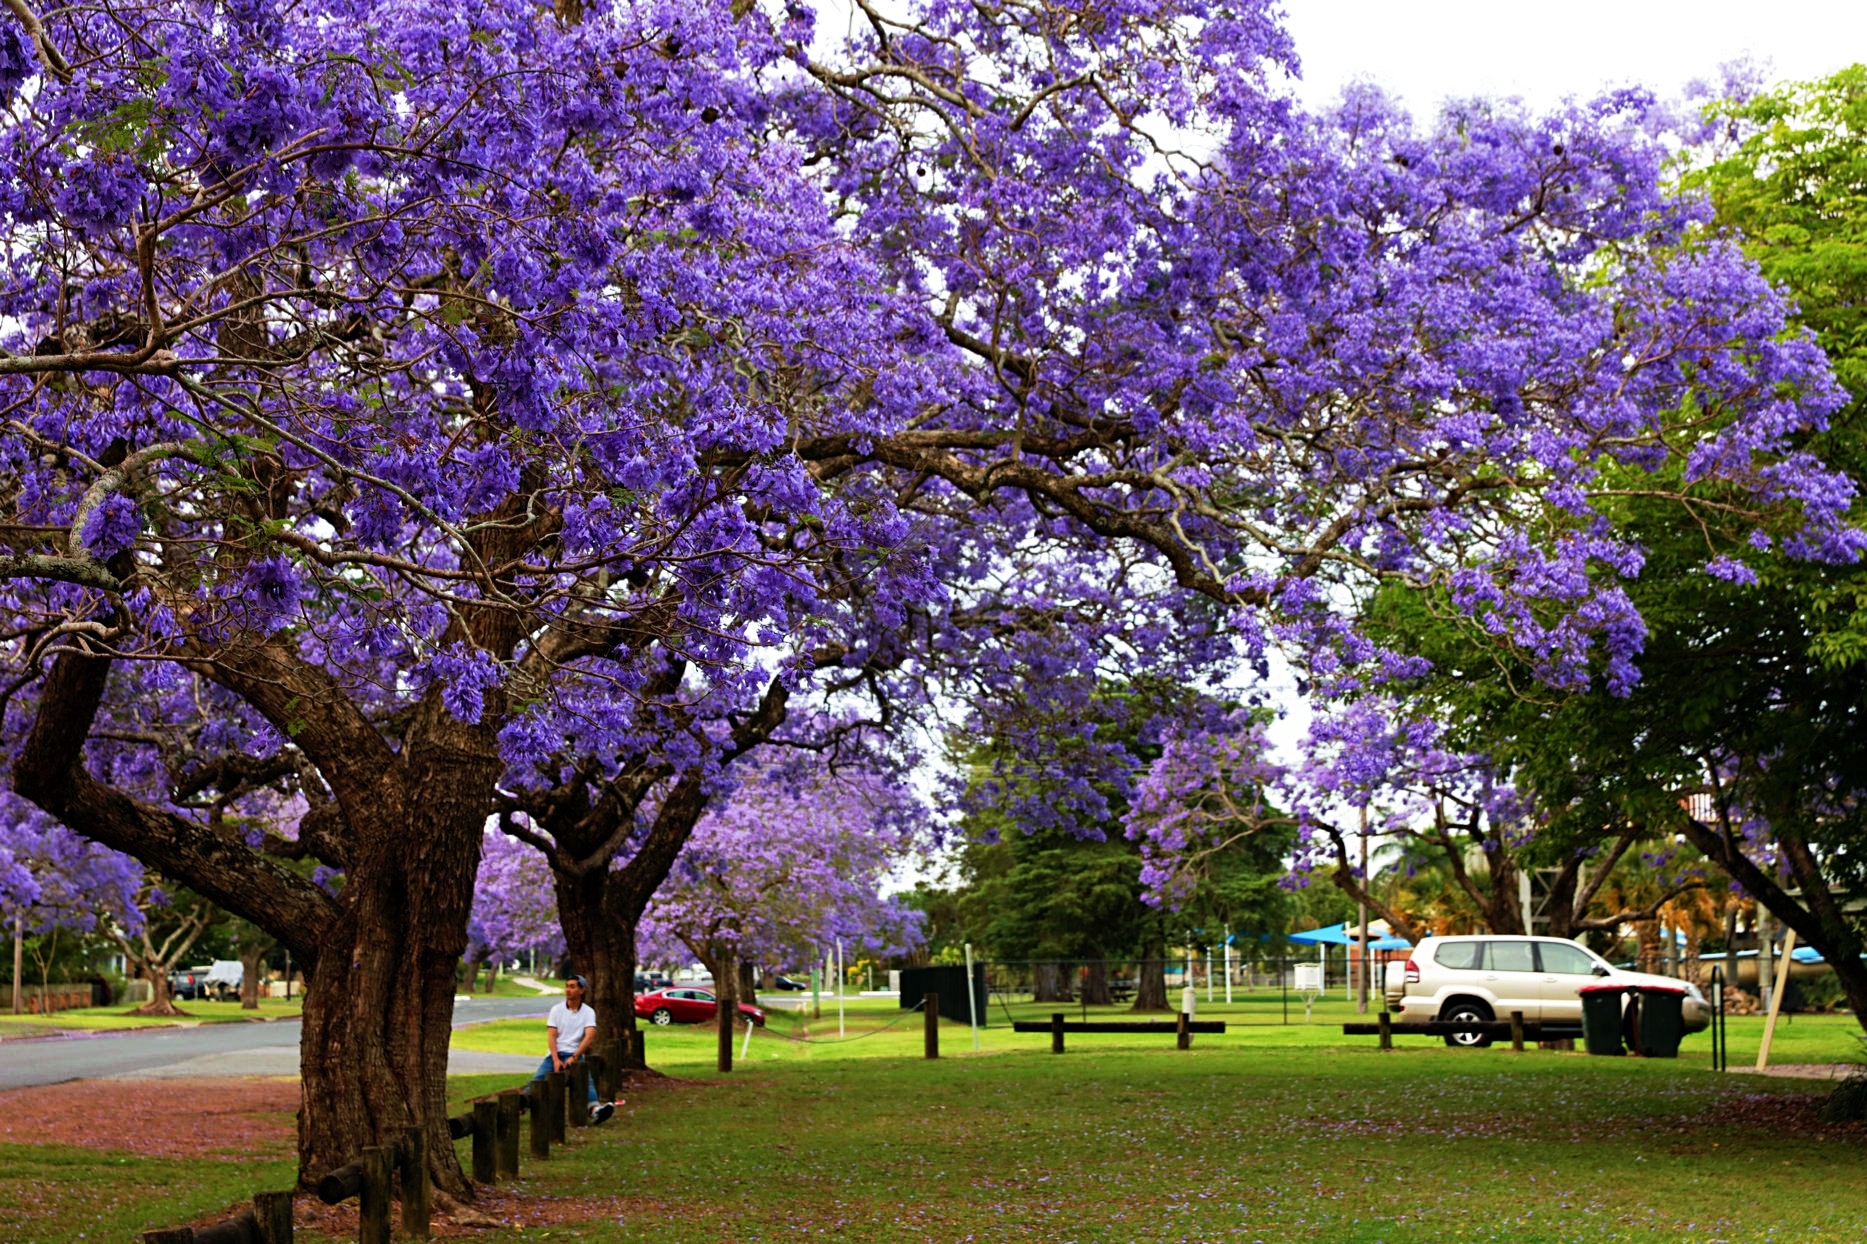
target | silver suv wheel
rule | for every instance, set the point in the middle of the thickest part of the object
(1465, 1012)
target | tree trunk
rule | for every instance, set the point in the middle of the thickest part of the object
(1044, 985)
(380, 1004)
(161, 997)
(1150, 993)
(1647, 937)
(250, 963)
(492, 977)
(599, 906)
(747, 989)
(726, 997)
(1096, 984)
(599, 937)
(380, 957)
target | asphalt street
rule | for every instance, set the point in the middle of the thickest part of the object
(268, 1049)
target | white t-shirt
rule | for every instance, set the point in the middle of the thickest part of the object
(571, 1026)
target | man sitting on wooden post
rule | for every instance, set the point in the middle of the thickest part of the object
(570, 1030)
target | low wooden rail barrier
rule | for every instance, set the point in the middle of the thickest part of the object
(268, 1222)
(1182, 1028)
(492, 1125)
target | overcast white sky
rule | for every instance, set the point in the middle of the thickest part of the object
(1426, 50)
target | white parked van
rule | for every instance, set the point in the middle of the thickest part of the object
(1486, 978)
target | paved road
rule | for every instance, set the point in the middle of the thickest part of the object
(222, 1050)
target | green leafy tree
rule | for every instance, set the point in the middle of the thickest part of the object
(1745, 742)
(1057, 893)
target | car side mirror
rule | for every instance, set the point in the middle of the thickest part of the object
(1600, 971)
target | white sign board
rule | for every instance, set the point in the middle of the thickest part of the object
(1310, 978)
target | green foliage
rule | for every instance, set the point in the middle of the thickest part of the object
(1795, 193)
(1075, 892)
(1771, 676)
(1848, 1103)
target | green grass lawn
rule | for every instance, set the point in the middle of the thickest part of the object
(57, 1193)
(878, 1028)
(506, 987)
(96, 1017)
(1265, 1133)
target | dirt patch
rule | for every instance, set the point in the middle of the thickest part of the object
(1783, 1114)
(1806, 1071)
(647, 1078)
(228, 1119)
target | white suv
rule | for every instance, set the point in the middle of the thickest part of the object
(1486, 978)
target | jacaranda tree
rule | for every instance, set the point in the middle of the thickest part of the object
(513, 909)
(369, 365)
(442, 410)
(791, 862)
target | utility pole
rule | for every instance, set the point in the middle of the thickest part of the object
(1766, 957)
(1361, 975)
(972, 1011)
(1228, 965)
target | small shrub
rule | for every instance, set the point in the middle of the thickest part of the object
(1820, 993)
(1848, 1103)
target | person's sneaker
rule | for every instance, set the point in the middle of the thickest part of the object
(602, 1114)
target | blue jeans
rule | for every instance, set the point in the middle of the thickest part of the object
(545, 1068)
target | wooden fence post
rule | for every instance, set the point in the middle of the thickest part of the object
(417, 1195)
(1516, 1031)
(506, 1152)
(1056, 1032)
(554, 1105)
(1183, 1038)
(373, 1221)
(579, 1100)
(599, 1069)
(541, 1119)
(1387, 1030)
(615, 1064)
(723, 1041)
(273, 1212)
(485, 1140)
(930, 1020)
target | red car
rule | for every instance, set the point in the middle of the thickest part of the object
(681, 1005)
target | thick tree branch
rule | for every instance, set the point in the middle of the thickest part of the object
(49, 771)
(49, 55)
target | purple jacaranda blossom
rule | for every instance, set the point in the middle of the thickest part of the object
(52, 878)
(112, 527)
(787, 867)
(514, 909)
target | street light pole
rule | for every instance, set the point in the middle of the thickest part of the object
(1361, 975)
